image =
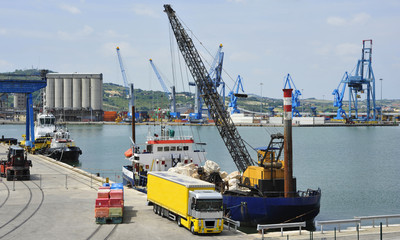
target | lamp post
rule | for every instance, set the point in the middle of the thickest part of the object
(261, 84)
(381, 99)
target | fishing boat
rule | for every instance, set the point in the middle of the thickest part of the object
(160, 153)
(62, 147)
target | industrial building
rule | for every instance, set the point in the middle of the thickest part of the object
(75, 96)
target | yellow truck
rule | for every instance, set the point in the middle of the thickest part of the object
(190, 202)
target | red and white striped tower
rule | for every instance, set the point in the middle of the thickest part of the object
(287, 145)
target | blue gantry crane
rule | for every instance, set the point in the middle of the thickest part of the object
(121, 65)
(234, 94)
(295, 96)
(215, 74)
(15, 85)
(362, 81)
(170, 95)
(338, 97)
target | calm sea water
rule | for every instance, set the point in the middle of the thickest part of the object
(357, 169)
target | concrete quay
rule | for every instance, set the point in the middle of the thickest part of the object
(58, 203)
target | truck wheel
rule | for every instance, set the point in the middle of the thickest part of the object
(192, 229)
(155, 208)
(162, 212)
(178, 220)
(158, 210)
(9, 177)
(28, 175)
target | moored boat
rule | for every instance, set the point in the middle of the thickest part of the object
(159, 153)
(63, 148)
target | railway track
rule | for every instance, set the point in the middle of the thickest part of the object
(15, 219)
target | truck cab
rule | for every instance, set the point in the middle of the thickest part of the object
(205, 207)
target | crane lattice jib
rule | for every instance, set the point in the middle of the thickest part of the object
(223, 122)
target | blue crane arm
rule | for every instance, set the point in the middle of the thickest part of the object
(340, 95)
(121, 65)
(159, 78)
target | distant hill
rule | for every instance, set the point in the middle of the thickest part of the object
(114, 99)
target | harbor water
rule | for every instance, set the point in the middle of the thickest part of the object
(357, 168)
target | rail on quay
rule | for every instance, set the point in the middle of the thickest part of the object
(262, 227)
(228, 222)
(373, 218)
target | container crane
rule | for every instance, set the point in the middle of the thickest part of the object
(362, 81)
(338, 95)
(234, 94)
(212, 99)
(295, 96)
(170, 96)
(215, 73)
(121, 65)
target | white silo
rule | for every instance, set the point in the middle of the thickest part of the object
(76, 93)
(50, 93)
(58, 87)
(67, 93)
(95, 89)
(85, 93)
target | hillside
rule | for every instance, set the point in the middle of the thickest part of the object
(114, 99)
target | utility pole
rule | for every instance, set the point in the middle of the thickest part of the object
(261, 84)
(381, 100)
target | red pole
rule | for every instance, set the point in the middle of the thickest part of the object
(288, 158)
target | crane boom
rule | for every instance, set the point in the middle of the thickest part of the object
(160, 78)
(223, 122)
(121, 65)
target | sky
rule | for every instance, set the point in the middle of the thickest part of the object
(315, 41)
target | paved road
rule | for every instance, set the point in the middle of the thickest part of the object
(58, 203)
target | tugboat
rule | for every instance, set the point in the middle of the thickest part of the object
(159, 153)
(63, 148)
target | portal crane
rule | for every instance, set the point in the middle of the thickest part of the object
(339, 94)
(260, 177)
(362, 80)
(170, 96)
(212, 99)
(121, 64)
(234, 94)
(295, 96)
(15, 85)
(215, 73)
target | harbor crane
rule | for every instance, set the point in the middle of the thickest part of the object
(338, 97)
(121, 65)
(257, 176)
(361, 82)
(215, 73)
(234, 94)
(212, 99)
(295, 96)
(170, 96)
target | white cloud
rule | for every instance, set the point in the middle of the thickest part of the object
(336, 21)
(84, 32)
(359, 18)
(4, 64)
(243, 57)
(347, 49)
(143, 10)
(70, 9)
(3, 31)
